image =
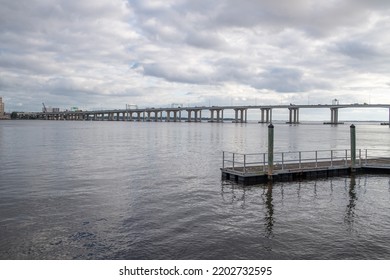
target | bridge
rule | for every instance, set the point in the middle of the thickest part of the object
(194, 114)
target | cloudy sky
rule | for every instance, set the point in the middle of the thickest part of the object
(108, 53)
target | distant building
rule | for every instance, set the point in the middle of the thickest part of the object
(1, 107)
(50, 109)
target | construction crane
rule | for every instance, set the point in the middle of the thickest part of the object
(173, 105)
(44, 108)
(131, 106)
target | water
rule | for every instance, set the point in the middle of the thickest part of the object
(119, 190)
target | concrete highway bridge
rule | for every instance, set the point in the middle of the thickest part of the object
(194, 114)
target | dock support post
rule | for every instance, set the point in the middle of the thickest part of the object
(270, 151)
(353, 147)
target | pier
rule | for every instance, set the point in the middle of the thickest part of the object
(257, 168)
(194, 114)
(250, 169)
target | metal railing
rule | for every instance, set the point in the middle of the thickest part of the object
(376, 157)
(258, 162)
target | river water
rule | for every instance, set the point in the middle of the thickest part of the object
(129, 190)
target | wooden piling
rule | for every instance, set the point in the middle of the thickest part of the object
(270, 151)
(353, 147)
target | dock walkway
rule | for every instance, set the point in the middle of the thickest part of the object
(289, 166)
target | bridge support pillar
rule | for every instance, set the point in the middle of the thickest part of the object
(334, 116)
(241, 115)
(293, 116)
(129, 116)
(168, 117)
(219, 117)
(139, 116)
(197, 115)
(156, 116)
(266, 115)
(175, 116)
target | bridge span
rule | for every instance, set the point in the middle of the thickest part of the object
(194, 114)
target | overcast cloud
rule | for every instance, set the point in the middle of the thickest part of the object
(108, 53)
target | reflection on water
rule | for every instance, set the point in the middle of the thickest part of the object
(314, 208)
(123, 190)
(350, 211)
(233, 194)
(269, 217)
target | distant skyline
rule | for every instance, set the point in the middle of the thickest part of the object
(109, 53)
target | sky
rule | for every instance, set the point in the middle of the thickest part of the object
(104, 54)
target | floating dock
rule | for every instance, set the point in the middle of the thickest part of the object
(249, 169)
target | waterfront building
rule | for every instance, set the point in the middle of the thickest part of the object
(1, 107)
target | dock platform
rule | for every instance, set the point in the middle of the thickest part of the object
(249, 169)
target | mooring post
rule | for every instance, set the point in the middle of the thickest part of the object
(270, 151)
(353, 147)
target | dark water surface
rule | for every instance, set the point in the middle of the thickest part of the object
(121, 190)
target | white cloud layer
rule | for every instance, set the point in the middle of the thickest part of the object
(108, 53)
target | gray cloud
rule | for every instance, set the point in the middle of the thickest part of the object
(113, 52)
(281, 80)
(176, 72)
(358, 50)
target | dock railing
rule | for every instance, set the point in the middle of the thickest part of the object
(252, 163)
(376, 157)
